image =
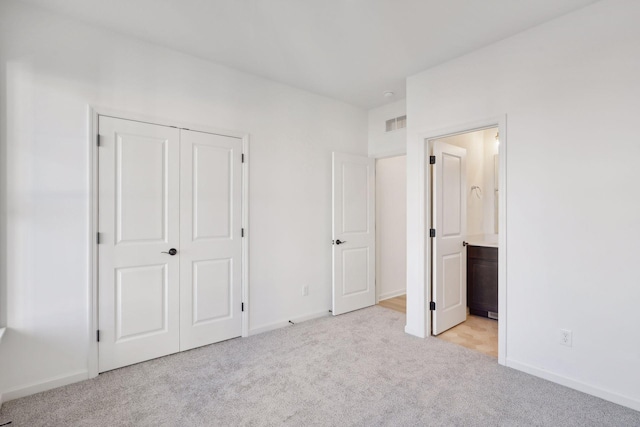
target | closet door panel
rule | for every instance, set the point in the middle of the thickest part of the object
(211, 213)
(138, 284)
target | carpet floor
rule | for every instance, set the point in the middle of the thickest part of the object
(358, 369)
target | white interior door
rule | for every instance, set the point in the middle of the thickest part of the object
(211, 245)
(353, 233)
(138, 221)
(449, 216)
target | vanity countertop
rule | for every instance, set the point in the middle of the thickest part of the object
(487, 240)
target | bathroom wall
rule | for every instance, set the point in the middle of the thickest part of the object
(480, 146)
(490, 181)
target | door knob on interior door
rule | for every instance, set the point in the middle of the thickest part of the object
(339, 242)
(171, 252)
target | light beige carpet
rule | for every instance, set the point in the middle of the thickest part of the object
(358, 369)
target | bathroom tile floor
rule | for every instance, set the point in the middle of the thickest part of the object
(477, 333)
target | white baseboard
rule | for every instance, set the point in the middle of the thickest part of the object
(576, 385)
(283, 323)
(2, 331)
(45, 385)
(392, 294)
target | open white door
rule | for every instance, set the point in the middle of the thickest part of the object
(449, 216)
(353, 233)
(139, 209)
(210, 238)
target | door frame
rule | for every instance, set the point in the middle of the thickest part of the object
(93, 113)
(426, 137)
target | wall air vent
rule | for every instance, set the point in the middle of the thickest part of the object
(396, 123)
(391, 125)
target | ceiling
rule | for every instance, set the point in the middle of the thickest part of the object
(352, 50)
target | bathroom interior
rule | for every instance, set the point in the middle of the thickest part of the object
(480, 330)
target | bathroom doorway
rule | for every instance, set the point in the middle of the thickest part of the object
(463, 200)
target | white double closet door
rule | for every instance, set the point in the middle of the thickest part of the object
(170, 248)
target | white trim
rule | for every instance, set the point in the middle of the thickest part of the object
(500, 122)
(392, 294)
(502, 242)
(163, 121)
(2, 331)
(93, 112)
(51, 383)
(602, 393)
(93, 253)
(282, 323)
(245, 240)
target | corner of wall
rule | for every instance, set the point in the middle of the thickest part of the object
(48, 384)
(381, 142)
(2, 332)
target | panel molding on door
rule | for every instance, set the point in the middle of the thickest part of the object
(353, 233)
(210, 238)
(138, 218)
(449, 213)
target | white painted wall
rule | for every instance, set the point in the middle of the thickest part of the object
(391, 227)
(489, 179)
(481, 147)
(381, 142)
(473, 143)
(51, 69)
(570, 91)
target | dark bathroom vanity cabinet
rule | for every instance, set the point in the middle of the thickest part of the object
(482, 281)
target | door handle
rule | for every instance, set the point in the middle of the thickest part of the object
(171, 252)
(339, 242)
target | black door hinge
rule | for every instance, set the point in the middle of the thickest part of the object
(98, 238)
(432, 232)
(98, 140)
(432, 306)
(432, 160)
(98, 335)
(242, 232)
(242, 306)
(242, 157)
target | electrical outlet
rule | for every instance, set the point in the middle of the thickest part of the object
(305, 291)
(565, 337)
